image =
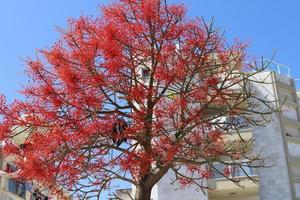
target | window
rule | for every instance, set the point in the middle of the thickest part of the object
(17, 187)
(37, 195)
(10, 168)
(238, 122)
(218, 168)
(145, 73)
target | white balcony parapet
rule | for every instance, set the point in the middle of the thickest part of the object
(275, 66)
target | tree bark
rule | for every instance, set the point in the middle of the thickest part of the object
(143, 193)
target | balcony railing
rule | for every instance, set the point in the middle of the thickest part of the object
(224, 188)
(272, 66)
(235, 172)
(236, 128)
(282, 70)
(277, 67)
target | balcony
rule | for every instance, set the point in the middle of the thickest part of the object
(236, 127)
(20, 134)
(226, 190)
(274, 66)
(243, 134)
(294, 161)
(292, 123)
(223, 188)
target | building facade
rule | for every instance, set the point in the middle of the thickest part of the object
(278, 142)
(14, 189)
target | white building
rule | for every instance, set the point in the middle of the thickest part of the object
(279, 141)
(15, 189)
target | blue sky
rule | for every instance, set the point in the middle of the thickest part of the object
(267, 25)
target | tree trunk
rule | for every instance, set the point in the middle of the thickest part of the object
(143, 190)
(143, 193)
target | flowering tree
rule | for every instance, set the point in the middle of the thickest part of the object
(136, 93)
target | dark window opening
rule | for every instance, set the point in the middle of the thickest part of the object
(146, 73)
(17, 187)
(37, 195)
(11, 168)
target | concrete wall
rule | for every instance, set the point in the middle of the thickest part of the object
(296, 171)
(166, 191)
(297, 190)
(292, 132)
(274, 183)
(290, 112)
(294, 149)
(124, 194)
(248, 197)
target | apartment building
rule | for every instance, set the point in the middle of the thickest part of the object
(15, 189)
(278, 142)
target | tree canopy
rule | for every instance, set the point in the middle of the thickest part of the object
(130, 95)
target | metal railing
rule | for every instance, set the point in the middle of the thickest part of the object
(271, 66)
(279, 68)
(234, 171)
(276, 67)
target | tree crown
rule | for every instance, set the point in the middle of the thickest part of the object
(130, 95)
